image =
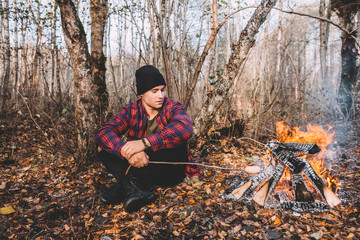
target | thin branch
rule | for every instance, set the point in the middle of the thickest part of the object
(198, 164)
(31, 116)
(233, 13)
(322, 19)
(246, 138)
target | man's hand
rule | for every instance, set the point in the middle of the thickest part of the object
(139, 160)
(132, 147)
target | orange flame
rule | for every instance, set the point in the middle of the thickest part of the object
(314, 134)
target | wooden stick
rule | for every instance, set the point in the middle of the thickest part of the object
(190, 163)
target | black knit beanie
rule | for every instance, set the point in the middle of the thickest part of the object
(148, 77)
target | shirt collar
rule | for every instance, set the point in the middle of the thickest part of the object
(143, 111)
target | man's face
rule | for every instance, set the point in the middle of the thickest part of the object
(154, 98)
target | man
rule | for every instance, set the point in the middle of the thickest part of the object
(157, 129)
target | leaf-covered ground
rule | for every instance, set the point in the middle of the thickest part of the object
(45, 194)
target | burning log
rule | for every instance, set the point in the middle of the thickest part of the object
(254, 181)
(263, 194)
(321, 186)
(301, 192)
(285, 153)
(307, 148)
(303, 206)
(293, 162)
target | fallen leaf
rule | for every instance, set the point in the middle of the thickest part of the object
(317, 235)
(176, 233)
(137, 237)
(187, 220)
(237, 228)
(6, 210)
(67, 228)
(170, 211)
(277, 221)
(350, 236)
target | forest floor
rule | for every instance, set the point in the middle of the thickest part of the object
(46, 194)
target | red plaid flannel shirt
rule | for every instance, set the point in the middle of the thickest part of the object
(174, 124)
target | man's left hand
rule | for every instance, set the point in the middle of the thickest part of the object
(132, 147)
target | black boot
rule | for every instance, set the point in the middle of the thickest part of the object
(113, 195)
(136, 195)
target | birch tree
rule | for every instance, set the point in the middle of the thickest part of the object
(238, 55)
(55, 61)
(6, 74)
(324, 11)
(75, 39)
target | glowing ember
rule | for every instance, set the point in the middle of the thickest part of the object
(314, 134)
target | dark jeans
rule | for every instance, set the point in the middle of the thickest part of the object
(153, 174)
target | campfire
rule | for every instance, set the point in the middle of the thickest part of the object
(294, 155)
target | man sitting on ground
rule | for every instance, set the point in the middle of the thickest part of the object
(157, 129)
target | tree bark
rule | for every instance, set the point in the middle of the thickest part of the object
(163, 44)
(346, 11)
(237, 57)
(55, 61)
(214, 31)
(98, 13)
(75, 39)
(6, 74)
(324, 35)
(35, 78)
(16, 42)
(153, 35)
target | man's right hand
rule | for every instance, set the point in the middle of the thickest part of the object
(139, 160)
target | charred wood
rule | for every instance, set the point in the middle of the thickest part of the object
(307, 148)
(301, 192)
(293, 162)
(254, 182)
(320, 185)
(263, 194)
(303, 206)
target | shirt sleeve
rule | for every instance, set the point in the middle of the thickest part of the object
(178, 131)
(109, 135)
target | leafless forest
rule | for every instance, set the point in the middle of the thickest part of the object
(238, 67)
(293, 72)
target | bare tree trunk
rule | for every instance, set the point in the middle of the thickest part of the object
(6, 74)
(75, 39)
(324, 36)
(163, 44)
(55, 61)
(35, 78)
(1, 42)
(237, 57)
(26, 84)
(153, 35)
(98, 12)
(16, 43)
(346, 12)
(214, 30)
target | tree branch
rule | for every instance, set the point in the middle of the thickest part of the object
(322, 19)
